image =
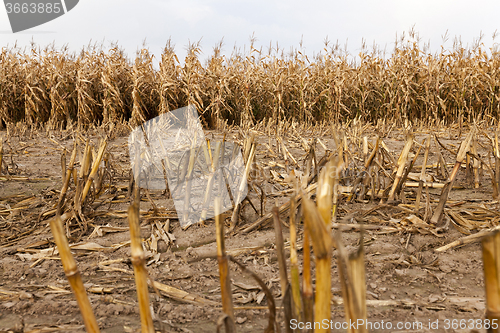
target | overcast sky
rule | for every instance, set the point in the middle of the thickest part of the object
(284, 22)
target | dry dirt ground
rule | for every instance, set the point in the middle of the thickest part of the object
(402, 268)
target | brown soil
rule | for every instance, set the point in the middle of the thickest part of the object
(35, 295)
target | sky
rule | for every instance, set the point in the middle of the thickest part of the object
(288, 24)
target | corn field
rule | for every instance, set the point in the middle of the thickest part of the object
(379, 178)
(98, 86)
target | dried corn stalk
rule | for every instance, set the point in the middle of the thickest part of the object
(464, 148)
(225, 282)
(353, 282)
(73, 275)
(491, 262)
(140, 273)
(322, 244)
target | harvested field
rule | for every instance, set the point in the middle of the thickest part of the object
(420, 249)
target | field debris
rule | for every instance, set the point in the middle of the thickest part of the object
(317, 191)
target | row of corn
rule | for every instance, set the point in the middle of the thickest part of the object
(103, 86)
